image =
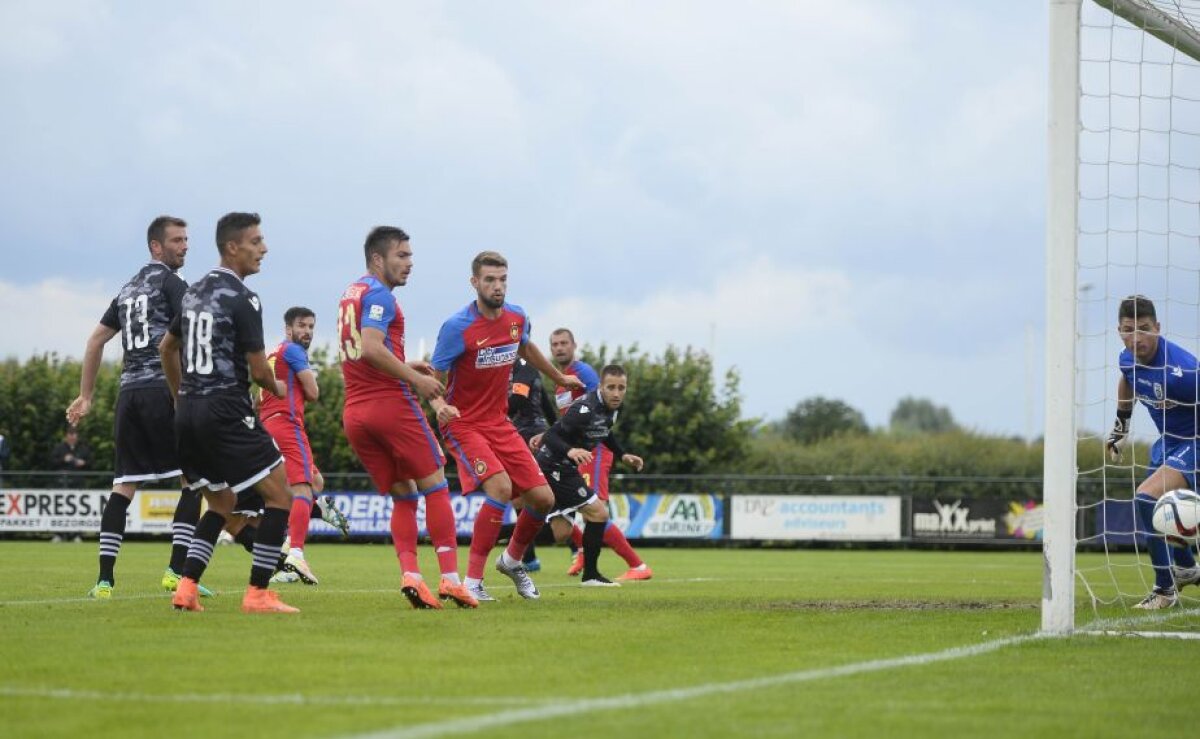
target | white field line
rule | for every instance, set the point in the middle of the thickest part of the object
(471, 724)
(284, 699)
(329, 591)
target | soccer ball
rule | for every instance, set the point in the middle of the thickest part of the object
(1177, 514)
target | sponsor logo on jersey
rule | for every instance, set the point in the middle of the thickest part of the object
(254, 302)
(249, 421)
(496, 356)
(376, 313)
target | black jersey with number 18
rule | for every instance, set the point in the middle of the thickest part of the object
(220, 321)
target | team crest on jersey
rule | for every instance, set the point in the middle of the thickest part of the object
(514, 332)
(480, 467)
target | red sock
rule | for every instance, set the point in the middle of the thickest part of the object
(528, 526)
(487, 530)
(615, 540)
(298, 519)
(404, 533)
(576, 537)
(443, 531)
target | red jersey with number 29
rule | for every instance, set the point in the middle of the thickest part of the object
(368, 303)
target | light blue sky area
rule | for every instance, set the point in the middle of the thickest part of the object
(841, 199)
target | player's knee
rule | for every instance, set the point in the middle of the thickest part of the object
(595, 512)
(539, 499)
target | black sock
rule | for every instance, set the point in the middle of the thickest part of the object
(506, 532)
(530, 553)
(593, 539)
(183, 527)
(246, 536)
(112, 533)
(271, 531)
(200, 551)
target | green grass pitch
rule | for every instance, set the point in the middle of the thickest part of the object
(720, 643)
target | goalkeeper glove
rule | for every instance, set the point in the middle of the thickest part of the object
(1119, 436)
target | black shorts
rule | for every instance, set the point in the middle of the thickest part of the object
(144, 435)
(220, 437)
(570, 491)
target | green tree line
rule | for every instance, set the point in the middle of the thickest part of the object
(679, 415)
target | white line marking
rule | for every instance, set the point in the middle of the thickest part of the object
(472, 724)
(286, 699)
(326, 591)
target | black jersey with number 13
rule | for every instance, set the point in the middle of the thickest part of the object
(142, 312)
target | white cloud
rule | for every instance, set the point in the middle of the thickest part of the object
(52, 315)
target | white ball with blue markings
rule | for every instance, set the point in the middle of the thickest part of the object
(1177, 514)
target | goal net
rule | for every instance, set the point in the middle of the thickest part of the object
(1123, 219)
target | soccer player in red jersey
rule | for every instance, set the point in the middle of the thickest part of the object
(383, 418)
(476, 349)
(283, 418)
(594, 473)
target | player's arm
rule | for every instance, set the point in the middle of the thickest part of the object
(530, 353)
(614, 445)
(80, 407)
(376, 354)
(169, 351)
(247, 326)
(1119, 436)
(297, 361)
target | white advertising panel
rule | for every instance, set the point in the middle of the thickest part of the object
(815, 517)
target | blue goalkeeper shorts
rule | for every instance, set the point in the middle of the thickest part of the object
(1178, 454)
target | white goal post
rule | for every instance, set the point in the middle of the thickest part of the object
(1173, 22)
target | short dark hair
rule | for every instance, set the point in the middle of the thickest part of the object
(295, 313)
(487, 259)
(231, 225)
(566, 331)
(1135, 307)
(380, 239)
(158, 228)
(613, 369)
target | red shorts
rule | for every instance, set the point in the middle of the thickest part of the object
(483, 451)
(292, 441)
(392, 440)
(595, 475)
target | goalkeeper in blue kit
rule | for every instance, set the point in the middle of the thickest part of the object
(1163, 377)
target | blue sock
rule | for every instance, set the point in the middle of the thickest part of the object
(1183, 556)
(1156, 543)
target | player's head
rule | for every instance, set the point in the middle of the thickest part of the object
(1138, 327)
(562, 346)
(388, 255)
(613, 384)
(299, 323)
(489, 277)
(240, 242)
(167, 240)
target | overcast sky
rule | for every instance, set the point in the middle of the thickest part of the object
(840, 199)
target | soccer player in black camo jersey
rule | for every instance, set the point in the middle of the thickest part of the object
(210, 353)
(144, 421)
(567, 445)
(531, 411)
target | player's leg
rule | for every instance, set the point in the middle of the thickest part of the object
(268, 540)
(112, 534)
(443, 534)
(595, 517)
(200, 551)
(497, 490)
(183, 527)
(1174, 567)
